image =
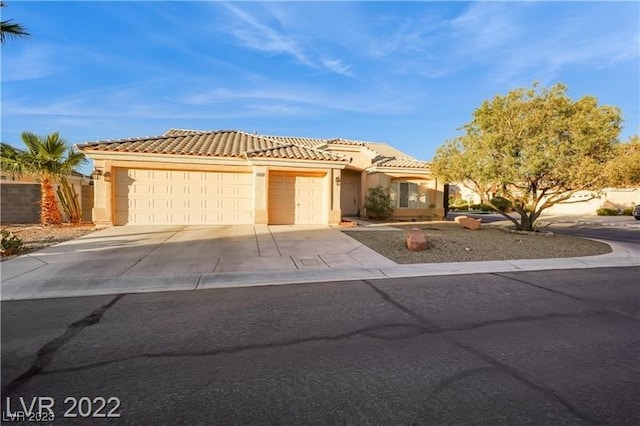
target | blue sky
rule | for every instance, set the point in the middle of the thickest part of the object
(406, 73)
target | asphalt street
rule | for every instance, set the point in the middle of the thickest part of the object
(552, 347)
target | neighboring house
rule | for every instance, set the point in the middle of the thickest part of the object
(581, 202)
(233, 177)
(20, 197)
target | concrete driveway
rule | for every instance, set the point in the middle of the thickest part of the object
(179, 257)
(134, 259)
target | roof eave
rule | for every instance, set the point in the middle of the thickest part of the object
(162, 158)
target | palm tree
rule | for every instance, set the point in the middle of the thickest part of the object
(11, 29)
(45, 157)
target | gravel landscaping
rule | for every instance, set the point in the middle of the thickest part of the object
(450, 242)
(36, 237)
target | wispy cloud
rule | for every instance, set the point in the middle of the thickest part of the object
(258, 34)
(35, 61)
(337, 66)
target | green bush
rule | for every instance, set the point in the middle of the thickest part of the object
(459, 205)
(501, 203)
(607, 212)
(481, 207)
(10, 243)
(378, 203)
(627, 212)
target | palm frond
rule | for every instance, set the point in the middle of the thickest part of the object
(11, 160)
(49, 156)
(12, 30)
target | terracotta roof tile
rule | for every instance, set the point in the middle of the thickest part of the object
(407, 163)
(182, 132)
(234, 143)
(297, 152)
(224, 143)
(308, 142)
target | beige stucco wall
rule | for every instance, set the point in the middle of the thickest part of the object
(436, 194)
(617, 198)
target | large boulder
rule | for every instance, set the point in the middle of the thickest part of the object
(416, 240)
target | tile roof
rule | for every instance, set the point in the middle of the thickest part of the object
(407, 163)
(308, 142)
(234, 143)
(223, 143)
(182, 132)
(292, 151)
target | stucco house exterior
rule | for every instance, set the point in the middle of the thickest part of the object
(234, 177)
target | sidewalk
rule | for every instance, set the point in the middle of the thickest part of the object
(289, 255)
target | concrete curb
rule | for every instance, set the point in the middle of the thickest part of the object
(623, 255)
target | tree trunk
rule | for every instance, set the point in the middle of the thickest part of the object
(526, 223)
(49, 212)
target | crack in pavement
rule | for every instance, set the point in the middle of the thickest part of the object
(366, 331)
(406, 330)
(47, 352)
(558, 292)
(448, 381)
(591, 301)
(504, 368)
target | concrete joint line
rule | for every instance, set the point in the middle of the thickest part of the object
(198, 283)
(30, 270)
(274, 241)
(255, 234)
(154, 249)
(215, 266)
(323, 261)
(354, 259)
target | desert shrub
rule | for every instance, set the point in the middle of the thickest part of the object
(378, 203)
(607, 212)
(459, 205)
(481, 207)
(10, 243)
(501, 203)
(627, 212)
(70, 201)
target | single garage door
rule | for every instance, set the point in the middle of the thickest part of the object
(172, 197)
(296, 199)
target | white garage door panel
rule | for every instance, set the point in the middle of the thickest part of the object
(296, 200)
(169, 197)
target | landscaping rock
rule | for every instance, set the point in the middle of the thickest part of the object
(416, 240)
(469, 222)
(459, 218)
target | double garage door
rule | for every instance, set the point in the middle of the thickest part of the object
(172, 197)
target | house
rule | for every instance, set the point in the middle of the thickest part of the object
(234, 177)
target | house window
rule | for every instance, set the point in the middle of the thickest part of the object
(409, 195)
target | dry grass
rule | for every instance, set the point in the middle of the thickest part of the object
(449, 242)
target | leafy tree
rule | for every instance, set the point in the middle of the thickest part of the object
(534, 147)
(10, 28)
(624, 169)
(49, 158)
